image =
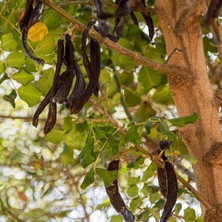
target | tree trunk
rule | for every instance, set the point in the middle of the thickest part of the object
(193, 92)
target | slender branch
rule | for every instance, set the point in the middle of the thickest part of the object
(165, 68)
(194, 192)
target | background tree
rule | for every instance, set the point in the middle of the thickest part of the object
(62, 174)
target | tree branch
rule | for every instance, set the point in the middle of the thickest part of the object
(165, 68)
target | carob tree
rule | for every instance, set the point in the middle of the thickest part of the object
(74, 99)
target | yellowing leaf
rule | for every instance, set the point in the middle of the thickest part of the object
(37, 32)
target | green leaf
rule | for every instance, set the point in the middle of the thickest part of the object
(154, 197)
(189, 214)
(104, 76)
(148, 78)
(132, 181)
(133, 135)
(182, 121)
(111, 147)
(192, 159)
(123, 62)
(15, 59)
(108, 176)
(132, 191)
(134, 203)
(8, 43)
(116, 218)
(23, 77)
(66, 157)
(131, 98)
(136, 163)
(2, 67)
(145, 111)
(163, 96)
(149, 172)
(45, 46)
(11, 98)
(165, 130)
(54, 136)
(87, 155)
(45, 82)
(89, 179)
(125, 78)
(76, 139)
(3, 78)
(30, 94)
(100, 133)
(178, 208)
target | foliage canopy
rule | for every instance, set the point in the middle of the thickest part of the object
(61, 175)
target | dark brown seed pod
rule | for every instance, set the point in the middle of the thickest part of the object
(64, 89)
(31, 16)
(172, 189)
(93, 78)
(26, 49)
(51, 119)
(59, 62)
(162, 179)
(28, 11)
(167, 181)
(213, 11)
(46, 101)
(40, 108)
(78, 89)
(115, 197)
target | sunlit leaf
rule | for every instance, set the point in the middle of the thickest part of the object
(2, 67)
(88, 155)
(132, 191)
(54, 136)
(89, 179)
(15, 59)
(8, 42)
(133, 135)
(116, 218)
(108, 176)
(45, 46)
(23, 77)
(66, 157)
(45, 82)
(133, 181)
(30, 94)
(182, 121)
(189, 214)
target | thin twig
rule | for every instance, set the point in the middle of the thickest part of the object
(194, 192)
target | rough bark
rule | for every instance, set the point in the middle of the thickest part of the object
(180, 24)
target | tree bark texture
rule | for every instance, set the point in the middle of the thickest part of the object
(193, 92)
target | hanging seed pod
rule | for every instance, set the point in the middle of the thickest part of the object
(51, 118)
(172, 189)
(92, 67)
(167, 181)
(31, 16)
(213, 11)
(78, 89)
(56, 83)
(115, 197)
(64, 89)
